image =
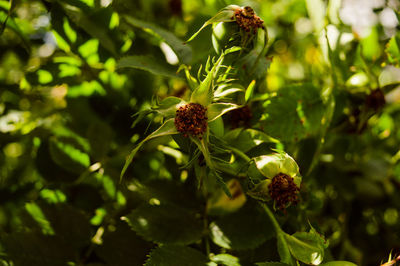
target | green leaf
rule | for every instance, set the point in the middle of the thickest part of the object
(370, 46)
(184, 52)
(393, 50)
(338, 263)
(167, 192)
(203, 94)
(147, 63)
(270, 263)
(192, 81)
(69, 223)
(68, 154)
(168, 128)
(217, 127)
(226, 259)
(203, 147)
(307, 247)
(117, 246)
(273, 164)
(100, 137)
(216, 110)
(294, 113)
(37, 249)
(87, 24)
(169, 255)
(250, 91)
(168, 106)
(225, 91)
(166, 224)
(246, 139)
(10, 23)
(37, 214)
(224, 15)
(245, 229)
(283, 249)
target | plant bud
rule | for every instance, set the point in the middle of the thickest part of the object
(280, 180)
(283, 191)
(191, 119)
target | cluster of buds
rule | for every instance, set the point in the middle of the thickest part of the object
(191, 119)
(247, 19)
(283, 191)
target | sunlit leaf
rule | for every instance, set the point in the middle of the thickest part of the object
(183, 52)
(168, 106)
(67, 154)
(273, 164)
(85, 89)
(246, 139)
(370, 46)
(147, 63)
(216, 110)
(224, 15)
(307, 247)
(220, 204)
(226, 259)
(294, 113)
(203, 94)
(37, 214)
(87, 24)
(250, 90)
(393, 49)
(226, 91)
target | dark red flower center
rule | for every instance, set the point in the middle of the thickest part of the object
(283, 191)
(191, 119)
(247, 19)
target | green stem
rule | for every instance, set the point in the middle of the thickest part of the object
(240, 154)
(283, 248)
(271, 216)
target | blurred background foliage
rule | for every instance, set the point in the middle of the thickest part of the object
(66, 104)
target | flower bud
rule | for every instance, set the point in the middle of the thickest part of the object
(280, 180)
(191, 119)
(283, 191)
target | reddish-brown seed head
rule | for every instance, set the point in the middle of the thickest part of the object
(191, 119)
(283, 191)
